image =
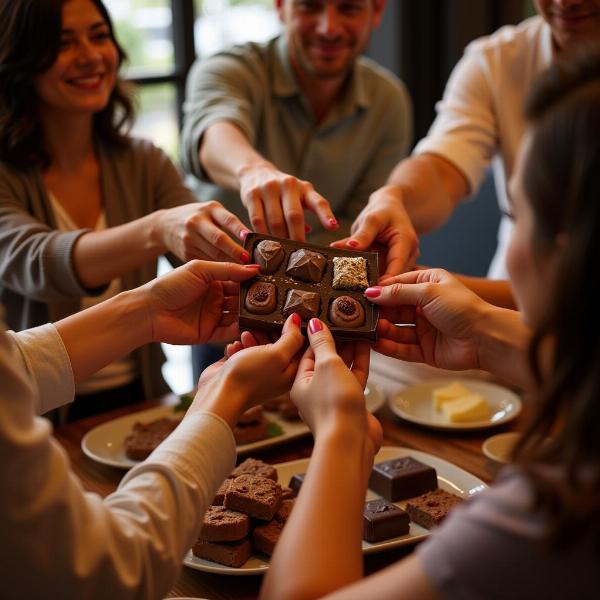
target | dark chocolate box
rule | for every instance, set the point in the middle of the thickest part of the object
(308, 279)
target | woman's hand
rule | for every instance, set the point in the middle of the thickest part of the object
(329, 387)
(196, 303)
(198, 230)
(445, 314)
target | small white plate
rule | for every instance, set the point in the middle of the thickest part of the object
(104, 443)
(450, 478)
(415, 404)
(498, 447)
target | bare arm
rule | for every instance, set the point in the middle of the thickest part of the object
(495, 291)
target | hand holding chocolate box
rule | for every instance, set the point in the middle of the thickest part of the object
(313, 281)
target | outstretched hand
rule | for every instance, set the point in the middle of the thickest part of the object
(439, 316)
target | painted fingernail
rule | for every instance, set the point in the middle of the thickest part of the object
(296, 319)
(373, 292)
(307, 229)
(314, 325)
(352, 243)
(245, 257)
(333, 222)
(244, 234)
(251, 266)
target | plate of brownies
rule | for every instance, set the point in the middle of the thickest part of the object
(410, 492)
(125, 441)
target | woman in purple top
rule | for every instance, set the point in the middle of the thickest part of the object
(536, 532)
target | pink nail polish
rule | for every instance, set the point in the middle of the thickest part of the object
(296, 319)
(244, 234)
(373, 292)
(314, 325)
(245, 257)
(333, 222)
(352, 243)
(251, 266)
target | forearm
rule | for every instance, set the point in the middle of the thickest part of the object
(430, 188)
(503, 341)
(106, 332)
(312, 560)
(101, 256)
(496, 292)
(224, 152)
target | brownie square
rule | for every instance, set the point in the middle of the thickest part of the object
(223, 525)
(431, 508)
(231, 554)
(265, 537)
(246, 433)
(402, 478)
(383, 520)
(253, 466)
(296, 482)
(256, 496)
(220, 495)
(145, 437)
(283, 514)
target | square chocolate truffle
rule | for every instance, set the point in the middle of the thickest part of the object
(223, 525)
(306, 304)
(431, 508)
(383, 521)
(402, 478)
(349, 273)
(231, 554)
(296, 482)
(256, 496)
(306, 265)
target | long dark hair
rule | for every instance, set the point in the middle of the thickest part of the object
(30, 33)
(562, 182)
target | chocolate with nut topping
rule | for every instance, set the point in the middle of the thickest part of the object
(306, 265)
(349, 273)
(261, 298)
(269, 255)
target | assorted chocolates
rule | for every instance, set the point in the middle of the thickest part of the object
(313, 281)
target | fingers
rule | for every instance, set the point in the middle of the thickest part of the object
(293, 210)
(402, 335)
(273, 210)
(321, 341)
(400, 294)
(256, 213)
(317, 204)
(401, 254)
(219, 239)
(360, 363)
(291, 340)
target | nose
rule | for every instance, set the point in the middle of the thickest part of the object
(329, 21)
(87, 52)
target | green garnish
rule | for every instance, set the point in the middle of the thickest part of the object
(273, 430)
(185, 400)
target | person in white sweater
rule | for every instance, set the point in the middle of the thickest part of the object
(59, 541)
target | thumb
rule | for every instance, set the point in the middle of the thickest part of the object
(291, 340)
(321, 340)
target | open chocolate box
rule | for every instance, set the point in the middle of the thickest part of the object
(310, 280)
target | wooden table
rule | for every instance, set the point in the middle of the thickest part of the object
(460, 448)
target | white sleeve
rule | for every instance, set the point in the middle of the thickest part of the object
(61, 541)
(44, 358)
(465, 131)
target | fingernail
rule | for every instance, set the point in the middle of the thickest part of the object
(352, 243)
(296, 319)
(307, 229)
(314, 325)
(251, 266)
(244, 234)
(333, 222)
(245, 257)
(373, 292)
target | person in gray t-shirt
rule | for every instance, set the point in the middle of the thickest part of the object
(536, 532)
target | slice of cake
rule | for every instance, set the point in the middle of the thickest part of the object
(431, 508)
(265, 537)
(253, 495)
(220, 495)
(231, 554)
(223, 525)
(253, 466)
(145, 437)
(401, 478)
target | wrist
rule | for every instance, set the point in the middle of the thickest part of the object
(154, 238)
(252, 165)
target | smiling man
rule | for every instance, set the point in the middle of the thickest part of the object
(303, 122)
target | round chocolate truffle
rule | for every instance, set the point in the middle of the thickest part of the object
(268, 254)
(346, 312)
(306, 265)
(261, 298)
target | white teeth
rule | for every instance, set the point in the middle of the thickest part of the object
(87, 80)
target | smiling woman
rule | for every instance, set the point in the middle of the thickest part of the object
(86, 209)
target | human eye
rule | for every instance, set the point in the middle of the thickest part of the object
(351, 8)
(308, 6)
(100, 35)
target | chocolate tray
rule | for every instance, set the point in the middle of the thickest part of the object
(273, 321)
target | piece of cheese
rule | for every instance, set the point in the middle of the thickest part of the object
(448, 392)
(472, 407)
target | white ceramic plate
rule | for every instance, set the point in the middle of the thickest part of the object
(450, 477)
(104, 443)
(415, 403)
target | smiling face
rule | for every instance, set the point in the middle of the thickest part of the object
(530, 268)
(326, 36)
(571, 20)
(84, 73)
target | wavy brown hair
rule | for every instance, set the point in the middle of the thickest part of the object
(30, 32)
(562, 183)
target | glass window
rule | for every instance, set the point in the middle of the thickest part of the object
(144, 29)
(221, 23)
